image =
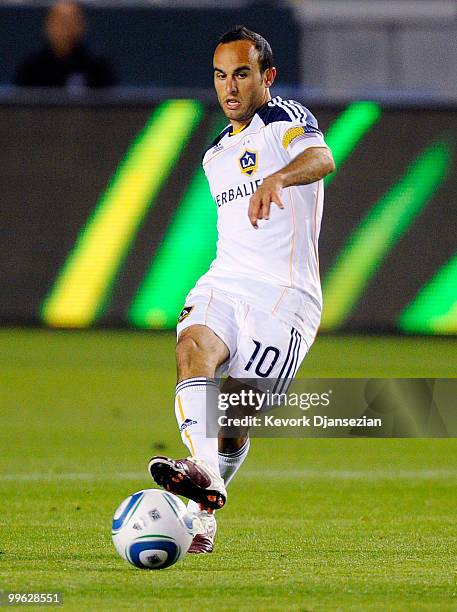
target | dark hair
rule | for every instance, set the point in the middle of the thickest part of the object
(241, 32)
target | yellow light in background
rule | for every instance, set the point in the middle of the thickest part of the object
(85, 280)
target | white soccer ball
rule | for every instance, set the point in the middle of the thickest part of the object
(152, 529)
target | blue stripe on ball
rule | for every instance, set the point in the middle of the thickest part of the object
(117, 523)
(171, 548)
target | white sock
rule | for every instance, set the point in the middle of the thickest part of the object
(194, 397)
(230, 463)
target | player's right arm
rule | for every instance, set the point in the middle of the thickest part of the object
(302, 156)
(312, 165)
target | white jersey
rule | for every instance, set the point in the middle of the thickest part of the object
(275, 267)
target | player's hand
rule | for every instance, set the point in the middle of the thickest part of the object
(268, 193)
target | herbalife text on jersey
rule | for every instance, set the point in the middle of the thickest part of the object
(242, 190)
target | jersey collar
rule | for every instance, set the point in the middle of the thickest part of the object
(233, 132)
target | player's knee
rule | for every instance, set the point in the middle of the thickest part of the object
(193, 354)
(187, 348)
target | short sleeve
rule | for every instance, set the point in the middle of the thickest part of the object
(295, 127)
(298, 136)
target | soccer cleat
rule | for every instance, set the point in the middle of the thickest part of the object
(193, 478)
(204, 542)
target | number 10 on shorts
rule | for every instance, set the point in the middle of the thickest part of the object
(265, 359)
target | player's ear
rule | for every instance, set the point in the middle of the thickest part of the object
(269, 76)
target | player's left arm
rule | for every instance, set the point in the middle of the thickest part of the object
(307, 167)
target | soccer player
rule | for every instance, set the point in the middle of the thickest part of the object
(256, 311)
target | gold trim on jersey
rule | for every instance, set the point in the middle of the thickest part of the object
(186, 433)
(207, 306)
(292, 247)
(292, 134)
(315, 237)
(235, 132)
(291, 256)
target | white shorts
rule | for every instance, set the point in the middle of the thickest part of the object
(261, 346)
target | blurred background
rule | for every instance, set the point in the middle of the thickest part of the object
(106, 222)
(106, 107)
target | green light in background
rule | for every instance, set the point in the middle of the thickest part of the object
(84, 282)
(189, 245)
(385, 223)
(434, 310)
(348, 129)
(187, 250)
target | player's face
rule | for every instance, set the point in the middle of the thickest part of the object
(240, 85)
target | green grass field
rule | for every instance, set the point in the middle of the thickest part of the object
(349, 524)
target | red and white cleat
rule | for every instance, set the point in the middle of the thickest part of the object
(193, 478)
(204, 542)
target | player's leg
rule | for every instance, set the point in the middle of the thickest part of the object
(199, 352)
(204, 338)
(269, 353)
(233, 445)
(231, 454)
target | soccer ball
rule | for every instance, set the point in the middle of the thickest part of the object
(152, 529)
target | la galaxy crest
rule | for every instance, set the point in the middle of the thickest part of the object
(185, 312)
(249, 162)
